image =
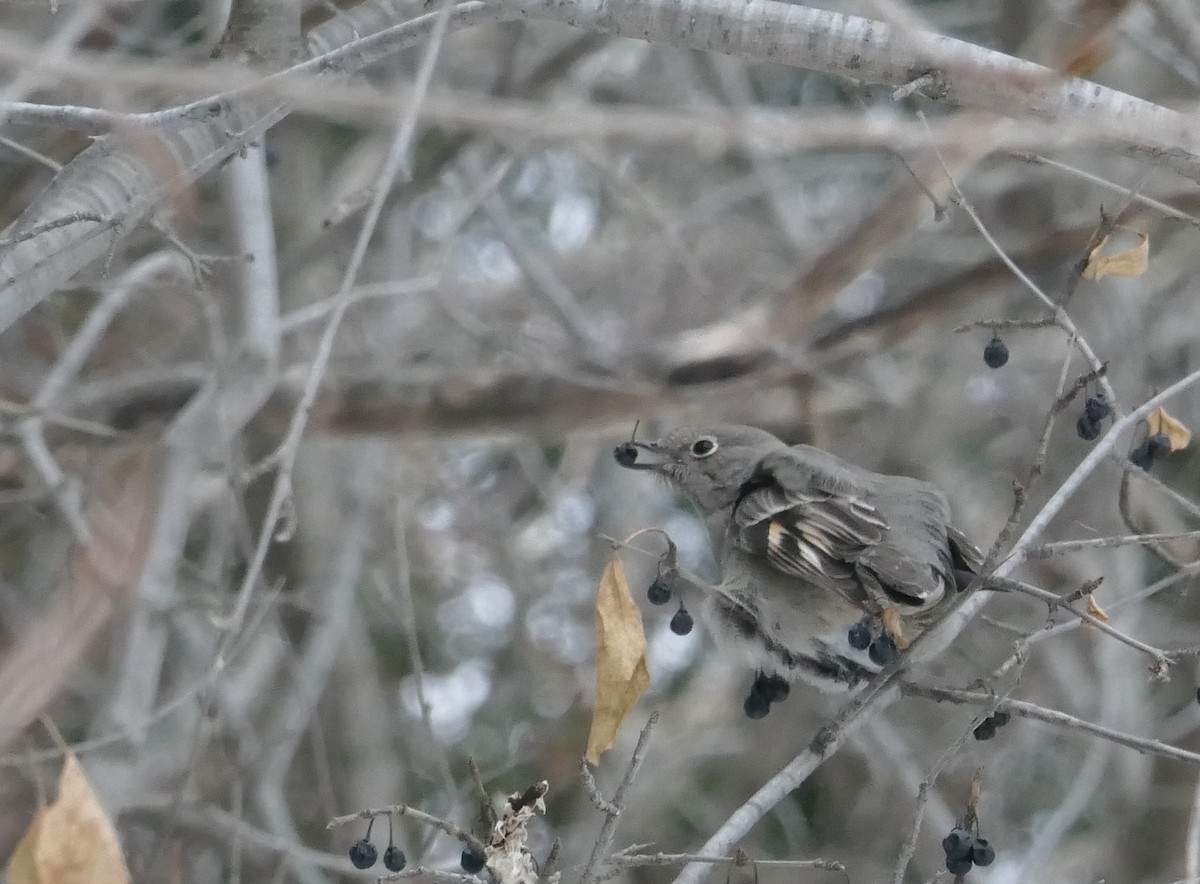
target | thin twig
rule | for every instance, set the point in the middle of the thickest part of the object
(438, 876)
(1162, 660)
(1191, 848)
(1021, 491)
(909, 848)
(1061, 547)
(613, 812)
(1125, 508)
(551, 862)
(601, 803)
(672, 859)
(452, 829)
(1039, 160)
(1053, 716)
(408, 618)
(55, 224)
(996, 324)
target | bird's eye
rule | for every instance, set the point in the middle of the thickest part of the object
(704, 447)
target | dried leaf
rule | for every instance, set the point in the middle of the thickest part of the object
(1130, 262)
(71, 841)
(1161, 422)
(1095, 22)
(621, 670)
(1095, 610)
(21, 866)
(1085, 58)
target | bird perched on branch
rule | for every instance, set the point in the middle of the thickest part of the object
(828, 570)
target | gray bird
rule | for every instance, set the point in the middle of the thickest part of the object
(828, 569)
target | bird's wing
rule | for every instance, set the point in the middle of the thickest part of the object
(966, 557)
(813, 517)
(808, 518)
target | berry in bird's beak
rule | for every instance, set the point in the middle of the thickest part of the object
(626, 454)
(639, 456)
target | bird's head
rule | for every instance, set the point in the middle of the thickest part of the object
(708, 464)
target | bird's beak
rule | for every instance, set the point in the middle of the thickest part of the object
(640, 456)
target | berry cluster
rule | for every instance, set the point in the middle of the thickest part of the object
(1095, 410)
(363, 853)
(986, 729)
(1151, 450)
(964, 850)
(767, 689)
(660, 593)
(995, 354)
(865, 635)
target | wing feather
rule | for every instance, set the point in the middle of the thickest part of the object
(804, 527)
(813, 518)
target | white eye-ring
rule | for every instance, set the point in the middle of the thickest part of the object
(704, 446)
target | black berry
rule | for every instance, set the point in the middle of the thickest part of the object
(394, 859)
(982, 853)
(995, 354)
(363, 854)
(626, 454)
(883, 651)
(1142, 457)
(860, 636)
(1096, 408)
(986, 729)
(771, 687)
(1149, 451)
(957, 845)
(471, 861)
(1087, 429)
(1158, 445)
(756, 705)
(659, 592)
(1001, 717)
(958, 866)
(681, 623)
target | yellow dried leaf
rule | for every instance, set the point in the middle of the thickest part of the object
(1160, 422)
(1085, 59)
(1095, 610)
(1095, 21)
(1130, 262)
(621, 670)
(71, 841)
(21, 866)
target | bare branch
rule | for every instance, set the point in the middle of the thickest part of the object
(1052, 716)
(450, 828)
(613, 809)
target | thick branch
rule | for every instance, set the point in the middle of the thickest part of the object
(872, 52)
